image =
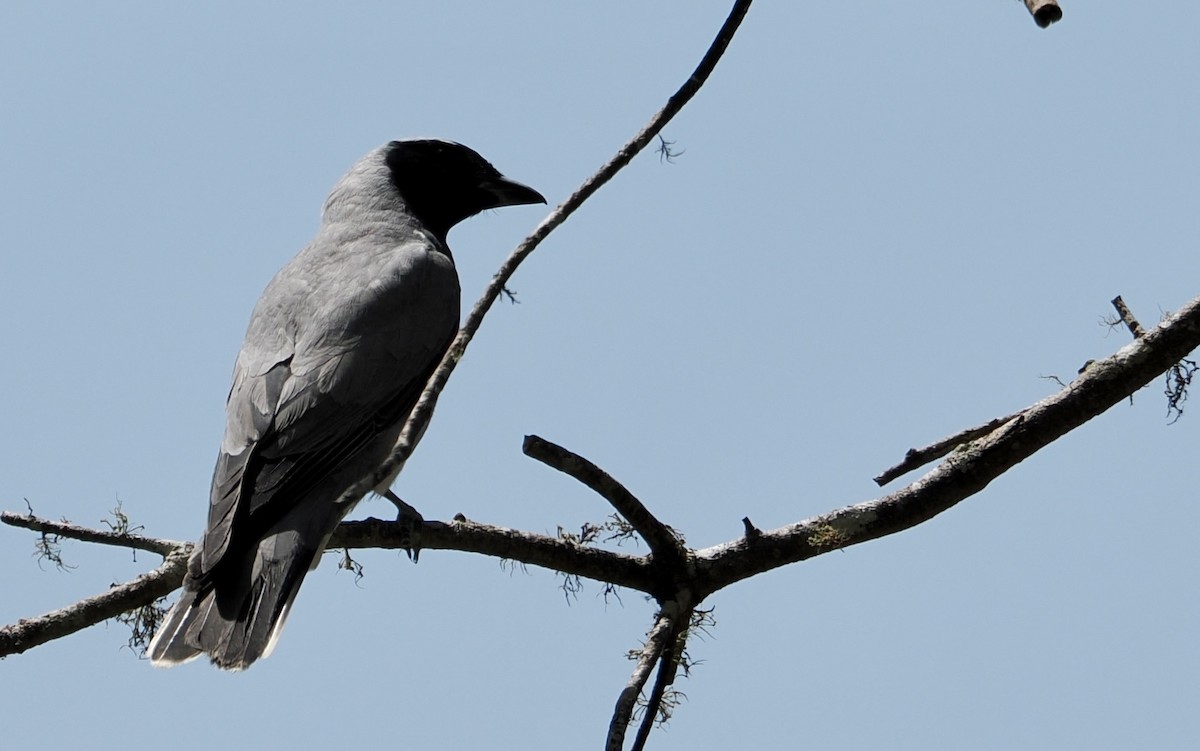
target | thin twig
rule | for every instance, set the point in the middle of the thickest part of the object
(663, 542)
(144, 590)
(86, 534)
(919, 457)
(423, 411)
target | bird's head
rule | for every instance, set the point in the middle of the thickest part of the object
(443, 183)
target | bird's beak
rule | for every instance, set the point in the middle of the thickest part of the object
(512, 193)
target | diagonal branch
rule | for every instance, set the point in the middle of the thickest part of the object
(914, 458)
(1131, 322)
(419, 418)
(144, 590)
(919, 457)
(668, 666)
(967, 471)
(656, 645)
(663, 542)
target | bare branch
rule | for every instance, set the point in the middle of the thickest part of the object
(919, 457)
(538, 550)
(144, 590)
(1128, 318)
(86, 534)
(967, 471)
(423, 411)
(749, 528)
(656, 643)
(668, 666)
(661, 539)
(1179, 375)
(563, 556)
(1044, 12)
(552, 553)
(914, 458)
(964, 473)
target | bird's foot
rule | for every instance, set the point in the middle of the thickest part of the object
(410, 518)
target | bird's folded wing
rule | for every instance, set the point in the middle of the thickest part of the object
(305, 402)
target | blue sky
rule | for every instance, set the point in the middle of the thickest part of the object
(889, 221)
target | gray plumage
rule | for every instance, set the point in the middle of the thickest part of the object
(338, 350)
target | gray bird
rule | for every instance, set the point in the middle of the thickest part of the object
(338, 350)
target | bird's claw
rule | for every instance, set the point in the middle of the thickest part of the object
(410, 518)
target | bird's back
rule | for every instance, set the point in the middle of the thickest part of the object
(338, 349)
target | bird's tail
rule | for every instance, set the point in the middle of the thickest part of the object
(236, 615)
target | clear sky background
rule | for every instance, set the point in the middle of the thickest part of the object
(889, 221)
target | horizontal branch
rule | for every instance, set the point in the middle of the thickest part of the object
(469, 537)
(968, 471)
(87, 534)
(634, 572)
(965, 473)
(567, 557)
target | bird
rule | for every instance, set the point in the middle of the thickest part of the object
(337, 352)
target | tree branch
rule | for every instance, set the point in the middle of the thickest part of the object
(623, 570)
(914, 458)
(968, 471)
(965, 473)
(561, 555)
(679, 613)
(144, 590)
(634, 572)
(1044, 12)
(656, 644)
(419, 418)
(1131, 322)
(86, 534)
(663, 542)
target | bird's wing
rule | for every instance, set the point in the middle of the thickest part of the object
(331, 360)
